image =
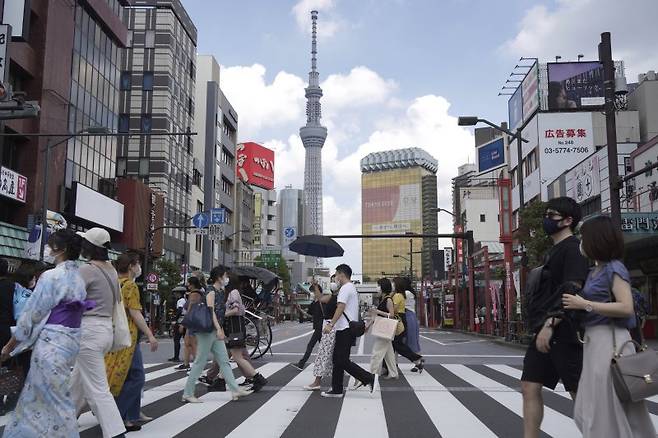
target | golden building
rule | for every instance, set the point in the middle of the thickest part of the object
(398, 196)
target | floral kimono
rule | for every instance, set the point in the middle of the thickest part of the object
(50, 325)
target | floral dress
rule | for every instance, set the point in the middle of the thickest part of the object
(118, 363)
(45, 407)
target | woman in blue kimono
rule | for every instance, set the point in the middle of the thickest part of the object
(50, 325)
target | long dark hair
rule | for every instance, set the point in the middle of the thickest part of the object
(233, 284)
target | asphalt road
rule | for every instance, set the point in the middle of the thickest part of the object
(470, 388)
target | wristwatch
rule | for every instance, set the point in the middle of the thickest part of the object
(588, 307)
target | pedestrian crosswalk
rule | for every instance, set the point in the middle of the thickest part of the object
(448, 400)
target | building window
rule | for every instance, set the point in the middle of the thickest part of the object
(196, 178)
(190, 107)
(122, 164)
(483, 218)
(143, 167)
(147, 81)
(188, 142)
(227, 158)
(124, 122)
(147, 123)
(227, 187)
(125, 80)
(149, 39)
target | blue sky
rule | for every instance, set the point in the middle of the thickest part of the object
(396, 73)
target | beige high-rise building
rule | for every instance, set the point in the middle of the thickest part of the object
(398, 196)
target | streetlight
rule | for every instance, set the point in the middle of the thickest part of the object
(91, 131)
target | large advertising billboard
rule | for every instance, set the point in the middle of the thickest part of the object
(491, 155)
(391, 209)
(515, 109)
(575, 85)
(530, 87)
(255, 165)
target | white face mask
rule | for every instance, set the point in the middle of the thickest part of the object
(48, 255)
(138, 271)
(333, 286)
(226, 281)
(379, 290)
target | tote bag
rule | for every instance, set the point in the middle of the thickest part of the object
(121, 337)
(384, 328)
(199, 318)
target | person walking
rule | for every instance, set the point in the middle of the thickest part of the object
(195, 295)
(214, 342)
(125, 368)
(89, 380)
(382, 350)
(399, 344)
(608, 303)
(555, 353)
(178, 330)
(412, 326)
(234, 323)
(323, 364)
(347, 310)
(315, 309)
(50, 325)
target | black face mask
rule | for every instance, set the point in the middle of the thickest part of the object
(551, 226)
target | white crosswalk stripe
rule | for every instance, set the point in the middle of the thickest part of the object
(441, 406)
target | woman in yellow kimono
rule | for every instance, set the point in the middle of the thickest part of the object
(125, 369)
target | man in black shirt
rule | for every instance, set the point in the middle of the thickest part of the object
(554, 353)
(316, 312)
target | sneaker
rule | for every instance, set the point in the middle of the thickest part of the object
(218, 385)
(259, 382)
(144, 418)
(297, 366)
(332, 394)
(247, 382)
(191, 399)
(182, 367)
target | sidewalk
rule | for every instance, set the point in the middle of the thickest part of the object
(651, 343)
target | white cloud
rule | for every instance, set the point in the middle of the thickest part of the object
(570, 29)
(360, 87)
(259, 104)
(328, 22)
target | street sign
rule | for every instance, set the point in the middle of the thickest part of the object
(201, 220)
(151, 286)
(200, 231)
(156, 299)
(217, 216)
(215, 232)
(5, 36)
(152, 277)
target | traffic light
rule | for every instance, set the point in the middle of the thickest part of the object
(14, 106)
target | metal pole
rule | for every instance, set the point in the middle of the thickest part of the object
(44, 201)
(519, 171)
(185, 254)
(605, 56)
(411, 261)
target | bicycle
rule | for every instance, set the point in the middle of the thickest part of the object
(258, 326)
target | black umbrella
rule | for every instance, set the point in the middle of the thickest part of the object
(317, 246)
(256, 273)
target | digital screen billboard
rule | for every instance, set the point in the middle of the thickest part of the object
(515, 109)
(491, 155)
(575, 85)
(255, 165)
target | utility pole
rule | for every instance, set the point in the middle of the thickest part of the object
(605, 56)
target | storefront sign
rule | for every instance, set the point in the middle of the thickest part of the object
(639, 223)
(13, 185)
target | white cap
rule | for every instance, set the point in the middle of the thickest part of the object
(96, 236)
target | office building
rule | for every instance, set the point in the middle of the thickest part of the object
(398, 196)
(66, 56)
(243, 246)
(213, 170)
(291, 224)
(157, 89)
(266, 224)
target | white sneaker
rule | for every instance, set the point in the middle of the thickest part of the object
(331, 394)
(312, 388)
(191, 399)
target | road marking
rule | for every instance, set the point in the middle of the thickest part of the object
(272, 419)
(517, 374)
(448, 414)
(362, 413)
(187, 415)
(274, 344)
(453, 343)
(555, 424)
(485, 356)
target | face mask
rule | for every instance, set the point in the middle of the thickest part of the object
(226, 281)
(138, 271)
(49, 256)
(551, 226)
(333, 286)
(582, 250)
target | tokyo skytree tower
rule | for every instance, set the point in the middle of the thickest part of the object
(313, 136)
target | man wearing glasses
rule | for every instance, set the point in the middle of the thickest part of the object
(555, 353)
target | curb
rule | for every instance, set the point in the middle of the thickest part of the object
(495, 339)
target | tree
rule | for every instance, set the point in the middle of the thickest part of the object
(170, 276)
(531, 233)
(277, 266)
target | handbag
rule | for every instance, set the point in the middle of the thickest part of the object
(235, 331)
(121, 332)
(357, 328)
(634, 376)
(11, 379)
(199, 318)
(384, 328)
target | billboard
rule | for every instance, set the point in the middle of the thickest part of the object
(491, 155)
(584, 180)
(258, 211)
(574, 85)
(515, 109)
(13, 185)
(255, 165)
(391, 208)
(530, 90)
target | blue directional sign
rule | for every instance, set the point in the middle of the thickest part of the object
(201, 220)
(217, 216)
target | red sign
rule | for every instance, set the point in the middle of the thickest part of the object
(565, 133)
(255, 165)
(460, 246)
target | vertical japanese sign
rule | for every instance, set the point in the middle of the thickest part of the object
(13, 185)
(258, 210)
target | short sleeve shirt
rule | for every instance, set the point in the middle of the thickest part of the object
(598, 288)
(130, 294)
(399, 302)
(348, 296)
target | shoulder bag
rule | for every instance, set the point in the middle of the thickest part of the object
(634, 376)
(235, 330)
(357, 328)
(199, 318)
(121, 337)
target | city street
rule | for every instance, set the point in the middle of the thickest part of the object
(470, 388)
